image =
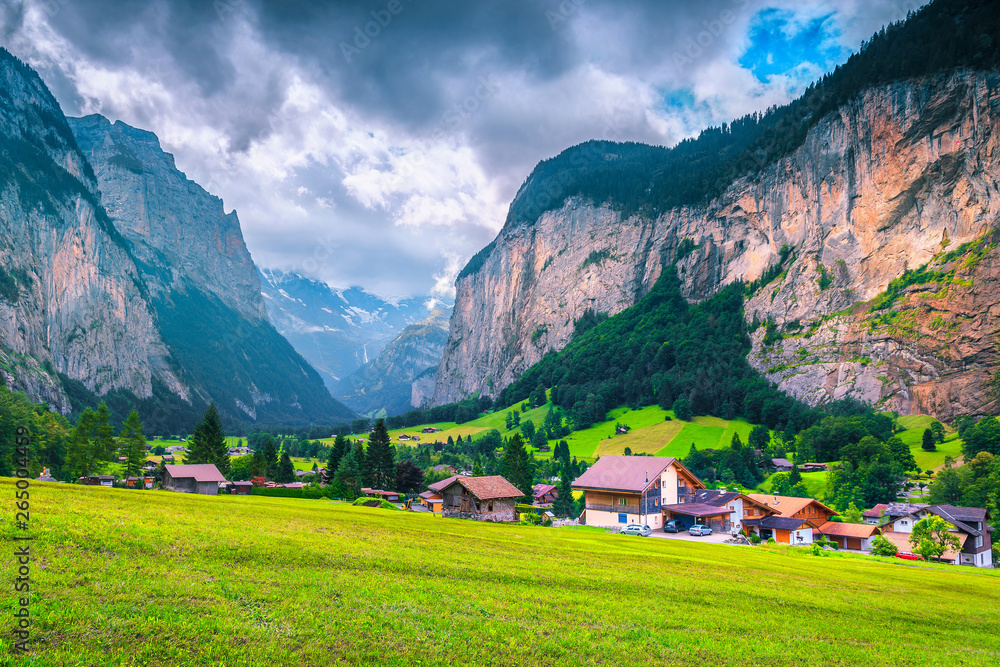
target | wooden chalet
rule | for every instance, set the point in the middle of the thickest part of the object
(98, 480)
(795, 520)
(620, 490)
(432, 498)
(200, 478)
(544, 495)
(490, 498)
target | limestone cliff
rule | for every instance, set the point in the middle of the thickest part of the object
(890, 180)
(73, 302)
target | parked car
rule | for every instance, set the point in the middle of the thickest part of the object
(674, 526)
(639, 529)
(906, 555)
(699, 530)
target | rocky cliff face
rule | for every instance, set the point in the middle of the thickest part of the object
(893, 179)
(179, 233)
(389, 384)
(73, 302)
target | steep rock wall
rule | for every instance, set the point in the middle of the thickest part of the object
(885, 183)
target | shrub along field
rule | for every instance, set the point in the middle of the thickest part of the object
(153, 578)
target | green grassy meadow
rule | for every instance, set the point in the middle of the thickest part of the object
(913, 437)
(815, 483)
(153, 578)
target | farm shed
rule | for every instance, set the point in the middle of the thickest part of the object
(481, 498)
(200, 478)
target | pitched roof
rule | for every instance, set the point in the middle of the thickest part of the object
(438, 486)
(848, 529)
(627, 473)
(902, 509)
(781, 463)
(542, 489)
(430, 495)
(781, 522)
(201, 472)
(786, 505)
(959, 516)
(876, 511)
(696, 509)
(718, 498)
(486, 488)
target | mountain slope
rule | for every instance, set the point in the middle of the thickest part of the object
(202, 281)
(74, 308)
(888, 179)
(386, 384)
(338, 331)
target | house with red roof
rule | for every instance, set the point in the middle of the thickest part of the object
(619, 490)
(200, 478)
(432, 498)
(544, 495)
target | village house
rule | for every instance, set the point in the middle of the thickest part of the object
(720, 510)
(633, 489)
(389, 496)
(795, 520)
(490, 498)
(98, 480)
(432, 498)
(874, 516)
(543, 495)
(850, 536)
(782, 465)
(971, 527)
(239, 488)
(200, 478)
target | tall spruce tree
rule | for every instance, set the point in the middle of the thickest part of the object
(337, 452)
(516, 467)
(348, 475)
(380, 458)
(132, 444)
(270, 454)
(564, 505)
(286, 471)
(91, 444)
(208, 442)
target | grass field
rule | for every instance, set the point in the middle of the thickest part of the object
(153, 578)
(815, 483)
(913, 437)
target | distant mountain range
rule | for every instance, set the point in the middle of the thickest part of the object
(123, 281)
(343, 332)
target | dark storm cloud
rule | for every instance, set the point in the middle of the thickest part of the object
(297, 112)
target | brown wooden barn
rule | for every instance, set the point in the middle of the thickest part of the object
(201, 478)
(481, 498)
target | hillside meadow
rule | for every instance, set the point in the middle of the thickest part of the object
(153, 578)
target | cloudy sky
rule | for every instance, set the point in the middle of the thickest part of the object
(379, 143)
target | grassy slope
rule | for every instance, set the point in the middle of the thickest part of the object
(259, 581)
(815, 484)
(913, 437)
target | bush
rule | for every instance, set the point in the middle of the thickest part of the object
(881, 546)
(771, 540)
(374, 502)
(754, 538)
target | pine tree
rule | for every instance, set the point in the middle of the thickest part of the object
(795, 476)
(208, 442)
(337, 452)
(381, 457)
(928, 444)
(270, 454)
(286, 471)
(91, 443)
(564, 505)
(349, 475)
(736, 443)
(133, 444)
(477, 467)
(516, 467)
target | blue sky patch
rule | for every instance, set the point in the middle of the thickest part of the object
(780, 44)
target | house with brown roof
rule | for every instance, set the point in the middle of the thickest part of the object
(200, 478)
(719, 509)
(850, 536)
(490, 498)
(432, 498)
(875, 515)
(971, 527)
(795, 520)
(620, 490)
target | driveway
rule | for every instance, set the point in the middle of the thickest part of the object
(715, 538)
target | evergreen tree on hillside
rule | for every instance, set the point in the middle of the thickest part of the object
(682, 409)
(270, 454)
(760, 437)
(928, 444)
(349, 475)
(286, 471)
(381, 457)
(337, 452)
(91, 444)
(516, 467)
(564, 505)
(132, 444)
(208, 442)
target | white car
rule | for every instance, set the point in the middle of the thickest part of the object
(639, 529)
(699, 530)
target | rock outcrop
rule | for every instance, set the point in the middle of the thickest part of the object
(889, 181)
(73, 301)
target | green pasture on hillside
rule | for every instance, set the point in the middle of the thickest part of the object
(815, 483)
(153, 578)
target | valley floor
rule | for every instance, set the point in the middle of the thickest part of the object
(153, 578)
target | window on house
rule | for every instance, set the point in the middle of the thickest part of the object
(621, 501)
(979, 541)
(623, 518)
